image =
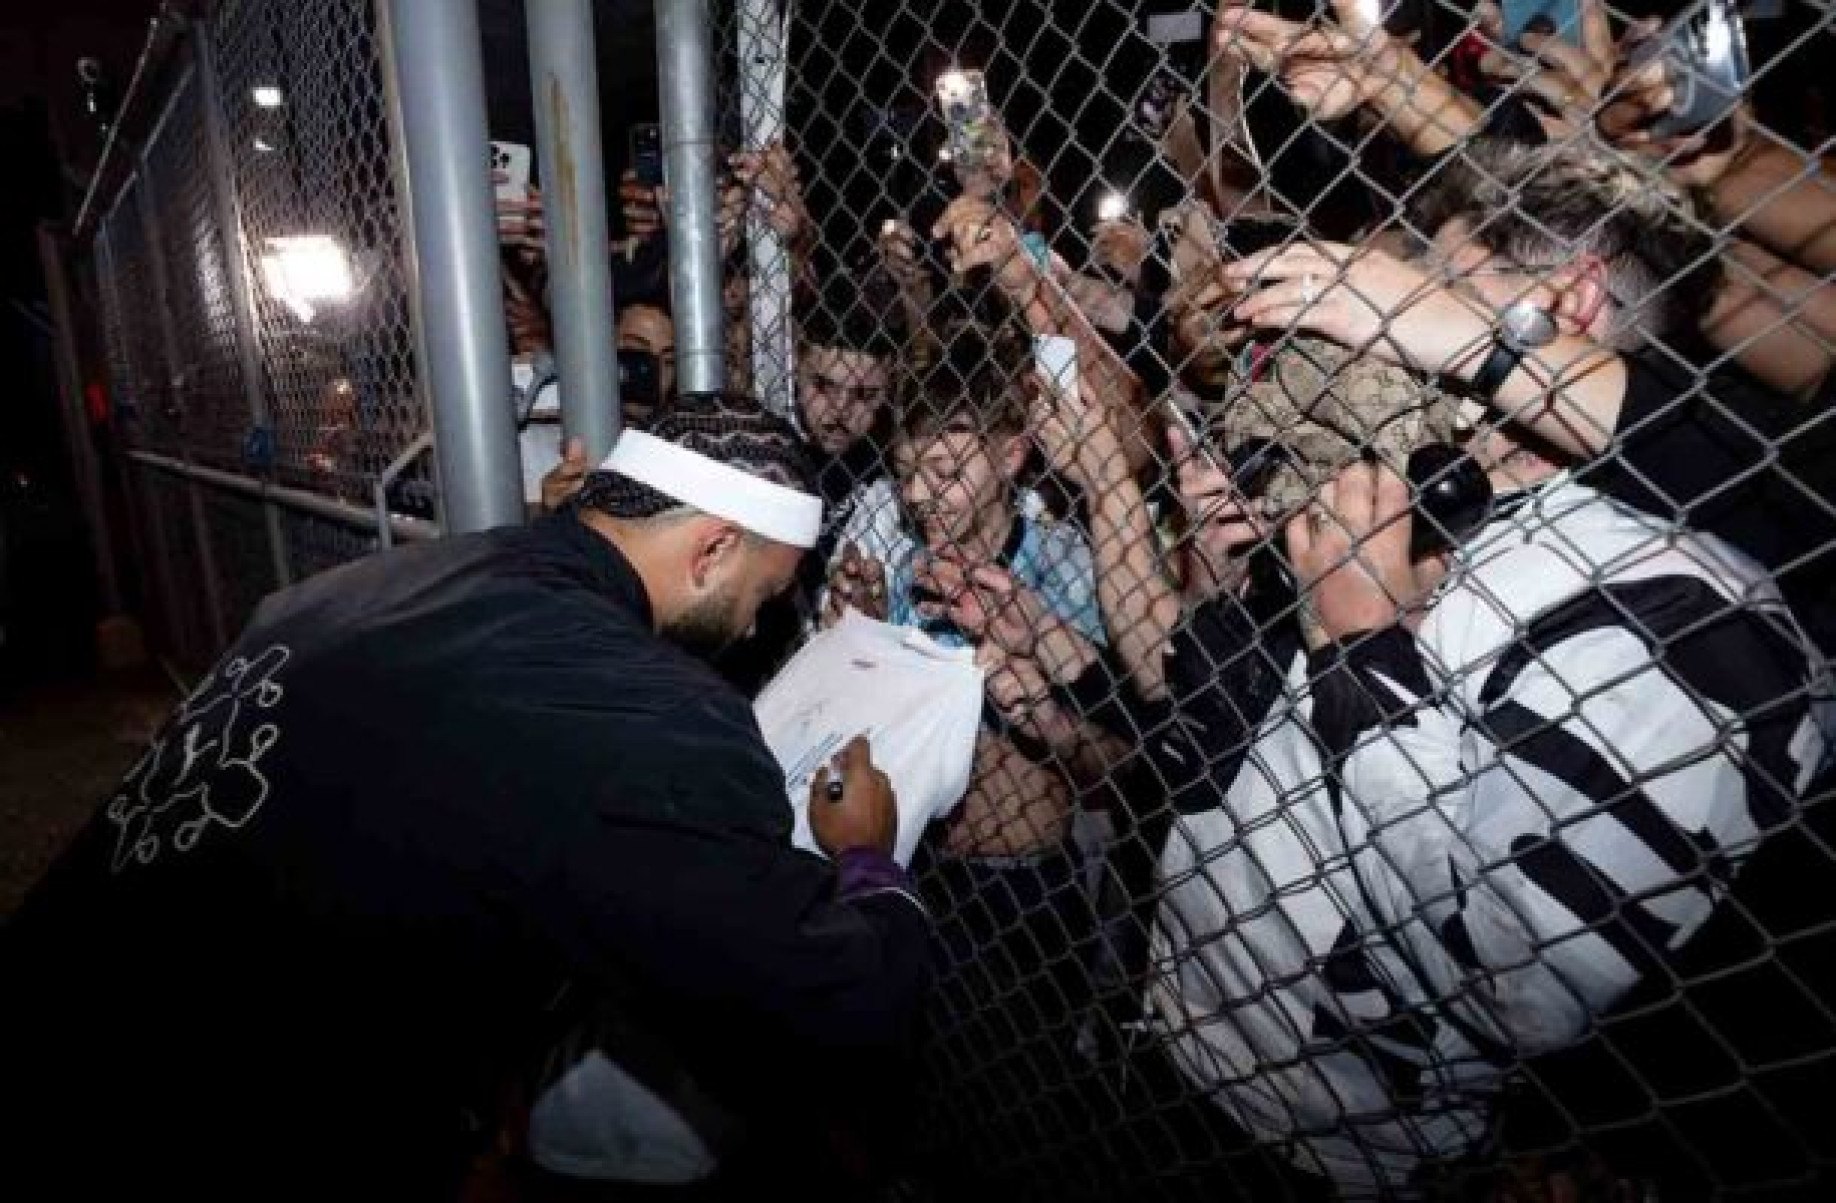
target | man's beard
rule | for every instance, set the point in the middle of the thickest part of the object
(707, 628)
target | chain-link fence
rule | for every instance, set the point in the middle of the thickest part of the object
(1381, 454)
(251, 286)
(1487, 870)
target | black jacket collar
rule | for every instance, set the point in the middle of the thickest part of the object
(589, 553)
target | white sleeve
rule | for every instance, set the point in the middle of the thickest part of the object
(1542, 855)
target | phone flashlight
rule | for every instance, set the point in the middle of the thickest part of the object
(1370, 11)
(952, 85)
(1112, 207)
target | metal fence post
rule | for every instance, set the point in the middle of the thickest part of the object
(236, 278)
(762, 66)
(564, 77)
(176, 381)
(435, 59)
(685, 83)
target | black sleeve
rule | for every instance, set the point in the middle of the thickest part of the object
(728, 918)
(1365, 681)
(1726, 455)
(1225, 671)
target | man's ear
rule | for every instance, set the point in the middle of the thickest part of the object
(1581, 294)
(716, 542)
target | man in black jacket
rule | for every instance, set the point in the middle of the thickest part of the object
(421, 798)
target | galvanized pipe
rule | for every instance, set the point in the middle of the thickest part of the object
(437, 66)
(316, 504)
(685, 84)
(564, 76)
(762, 65)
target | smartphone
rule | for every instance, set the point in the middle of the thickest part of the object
(1562, 18)
(1705, 58)
(1175, 416)
(647, 154)
(1253, 464)
(1158, 104)
(512, 159)
(962, 98)
(1453, 498)
(1055, 361)
(1113, 206)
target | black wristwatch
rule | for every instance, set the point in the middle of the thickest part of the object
(1522, 328)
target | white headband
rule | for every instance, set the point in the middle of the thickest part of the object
(781, 514)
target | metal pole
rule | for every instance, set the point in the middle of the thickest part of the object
(762, 52)
(439, 77)
(385, 530)
(235, 275)
(177, 374)
(316, 504)
(83, 467)
(564, 75)
(685, 83)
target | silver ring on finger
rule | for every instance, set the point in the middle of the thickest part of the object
(1310, 290)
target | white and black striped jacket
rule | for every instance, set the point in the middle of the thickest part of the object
(1450, 850)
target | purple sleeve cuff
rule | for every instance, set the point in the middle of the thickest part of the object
(864, 871)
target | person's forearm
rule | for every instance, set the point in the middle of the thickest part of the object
(1089, 752)
(1108, 306)
(1139, 605)
(1569, 393)
(1099, 755)
(1783, 198)
(1425, 112)
(1779, 321)
(1048, 310)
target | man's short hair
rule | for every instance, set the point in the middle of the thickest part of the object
(852, 315)
(729, 427)
(1542, 205)
(973, 383)
(659, 303)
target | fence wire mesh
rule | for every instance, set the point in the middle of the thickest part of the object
(315, 545)
(297, 161)
(172, 536)
(1403, 767)
(138, 356)
(1434, 828)
(319, 164)
(207, 379)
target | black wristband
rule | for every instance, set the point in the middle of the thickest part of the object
(1496, 369)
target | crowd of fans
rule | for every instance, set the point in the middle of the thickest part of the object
(1401, 642)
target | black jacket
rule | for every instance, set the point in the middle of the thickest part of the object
(422, 797)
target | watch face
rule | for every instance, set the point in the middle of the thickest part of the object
(1526, 325)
